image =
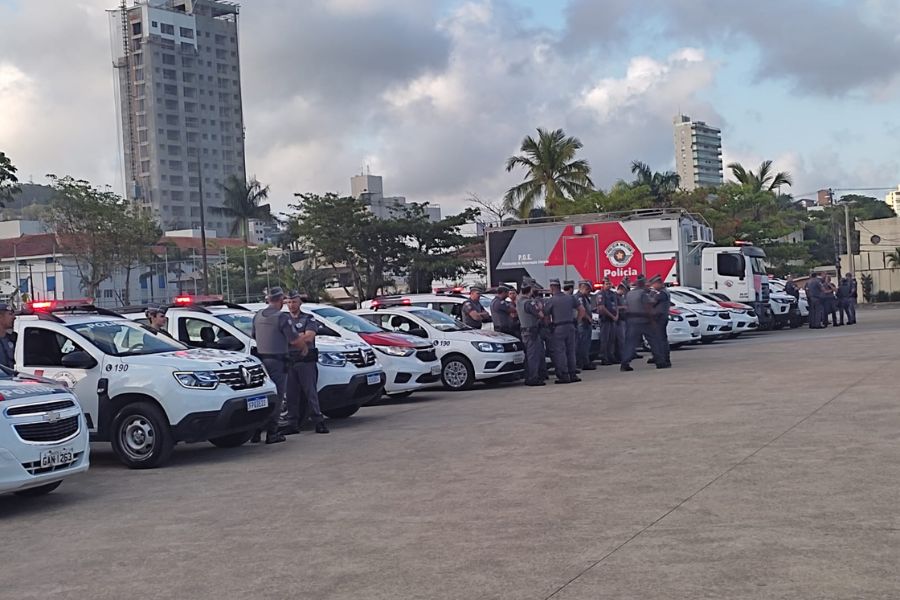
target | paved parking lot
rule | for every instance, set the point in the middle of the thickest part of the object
(759, 468)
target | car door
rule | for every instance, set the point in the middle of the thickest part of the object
(42, 355)
(197, 332)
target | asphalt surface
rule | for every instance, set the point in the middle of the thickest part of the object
(766, 467)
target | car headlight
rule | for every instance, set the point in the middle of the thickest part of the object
(707, 313)
(676, 318)
(332, 359)
(488, 347)
(395, 350)
(206, 380)
(739, 311)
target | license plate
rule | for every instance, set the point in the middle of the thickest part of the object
(55, 458)
(519, 360)
(257, 402)
(373, 379)
(436, 370)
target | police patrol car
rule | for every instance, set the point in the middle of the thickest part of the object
(683, 327)
(715, 321)
(467, 355)
(448, 302)
(141, 391)
(349, 373)
(43, 437)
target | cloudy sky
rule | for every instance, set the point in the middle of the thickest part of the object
(435, 94)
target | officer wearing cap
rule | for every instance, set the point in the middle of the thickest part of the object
(608, 309)
(639, 306)
(622, 323)
(662, 302)
(585, 326)
(501, 311)
(530, 316)
(275, 336)
(8, 337)
(156, 320)
(565, 310)
(473, 313)
(303, 371)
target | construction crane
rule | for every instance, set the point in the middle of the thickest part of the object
(124, 67)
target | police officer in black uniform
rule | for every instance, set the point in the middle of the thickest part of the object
(501, 311)
(7, 336)
(662, 302)
(472, 312)
(275, 336)
(585, 326)
(530, 317)
(564, 310)
(303, 371)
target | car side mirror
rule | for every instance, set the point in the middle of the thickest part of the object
(78, 359)
(418, 332)
(230, 343)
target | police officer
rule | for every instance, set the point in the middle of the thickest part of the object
(7, 336)
(607, 308)
(790, 288)
(156, 320)
(514, 313)
(814, 294)
(501, 311)
(530, 317)
(275, 335)
(662, 302)
(851, 298)
(638, 304)
(565, 310)
(303, 371)
(585, 326)
(622, 323)
(473, 313)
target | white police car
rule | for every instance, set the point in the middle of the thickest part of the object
(683, 327)
(715, 321)
(448, 302)
(141, 391)
(43, 437)
(467, 355)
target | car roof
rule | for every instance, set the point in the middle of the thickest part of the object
(73, 318)
(404, 308)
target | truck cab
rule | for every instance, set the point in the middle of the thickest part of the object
(739, 273)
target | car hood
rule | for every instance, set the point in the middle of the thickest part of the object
(197, 359)
(735, 305)
(330, 343)
(394, 339)
(17, 388)
(480, 335)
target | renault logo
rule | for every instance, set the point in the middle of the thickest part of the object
(246, 376)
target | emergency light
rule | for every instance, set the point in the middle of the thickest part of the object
(187, 299)
(51, 305)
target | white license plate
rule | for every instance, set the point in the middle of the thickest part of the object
(373, 379)
(519, 360)
(436, 370)
(257, 403)
(55, 458)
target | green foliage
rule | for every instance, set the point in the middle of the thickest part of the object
(434, 247)
(552, 173)
(243, 203)
(882, 296)
(8, 181)
(893, 258)
(764, 180)
(662, 186)
(868, 284)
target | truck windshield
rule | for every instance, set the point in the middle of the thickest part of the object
(759, 267)
(241, 321)
(124, 338)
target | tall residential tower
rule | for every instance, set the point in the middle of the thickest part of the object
(698, 153)
(179, 106)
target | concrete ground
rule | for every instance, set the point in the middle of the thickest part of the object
(766, 467)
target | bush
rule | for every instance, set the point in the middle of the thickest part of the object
(895, 296)
(882, 296)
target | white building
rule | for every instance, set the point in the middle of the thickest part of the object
(698, 153)
(370, 188)
(892, 199)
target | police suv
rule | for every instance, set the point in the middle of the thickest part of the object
(43, 437)
(349, 373)
(467, 355)
(139, 390)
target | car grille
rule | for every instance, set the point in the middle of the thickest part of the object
(512, 346)
(34, 468)
(49, 432)
(235, 379)
(725, 315)
(428, 355)
(694, 323)
(35, 409)
(360, 358)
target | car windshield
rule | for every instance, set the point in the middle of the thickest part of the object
(124, 338)
(348, 321)
(440, 321)
(776, 285)
(759, 266)
(686, 298)
(243, 322)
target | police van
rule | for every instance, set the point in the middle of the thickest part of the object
(349, 373)
(467, 355)
(43, 437)
(143, 392)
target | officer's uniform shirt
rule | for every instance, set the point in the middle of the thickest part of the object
(610, 301)
(814, 288)
(8, 350)
(500, 314)
(636, 302)
(467, 307)
(662, 303)
(563, 308)
(273, 331)
(529, 312)
(301, 324)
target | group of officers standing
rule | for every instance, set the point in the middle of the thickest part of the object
(560, 324)
(827, 298)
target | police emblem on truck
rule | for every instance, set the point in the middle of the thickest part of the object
(619, 253)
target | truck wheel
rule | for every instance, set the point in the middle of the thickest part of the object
(457, 373)
(40, 490)
(232, 440)
(341, 413)
(141, 437)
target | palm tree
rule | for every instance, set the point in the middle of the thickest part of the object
(553, 174)
(662, 185)
(242, 202)
(893, 258)
(763, 180)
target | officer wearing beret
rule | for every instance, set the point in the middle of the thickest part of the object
(565, 311)
(501, 311)
(7, 336)
(639, 306)
(662, 302)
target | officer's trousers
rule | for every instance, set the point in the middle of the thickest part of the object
(547, 346)
(535, 355)
(608, 341)
(662, 339)
(583, 354)
(851, 310)
(621, 334)
(564, 336)
(302, 395)
(276, 367)
(638, 329)
(815, 313)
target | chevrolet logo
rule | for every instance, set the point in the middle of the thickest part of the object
(52, 416)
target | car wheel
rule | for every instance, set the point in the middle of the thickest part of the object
(40, 490)
(341, 413)
(457, 373)
(232, 440)
(141, 437)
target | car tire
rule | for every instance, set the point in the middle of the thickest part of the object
(343, 412)
(457, 373)
(232, 440)
(141, 437)
(41, 490)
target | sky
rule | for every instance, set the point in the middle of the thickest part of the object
(434, 95)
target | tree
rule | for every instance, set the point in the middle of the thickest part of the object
(9, 183)
(242, 202)
(435, 247)
(893, 258)
(138, 232)
(662, 185)
(764, 180)
(552, 172)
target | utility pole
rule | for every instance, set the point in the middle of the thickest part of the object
(850, 268)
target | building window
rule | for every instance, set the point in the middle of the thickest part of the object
(168, 59)
(136, 28)
(186, 32)
(107, 294)
(167, 29)
(51, 283)
(160, 281)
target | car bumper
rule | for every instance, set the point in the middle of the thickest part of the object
(412, 375)
(491, 365)
(357, 392)
(20, 463)
(233, 417)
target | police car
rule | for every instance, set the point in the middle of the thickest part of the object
(43, 437)
(715, 321)
(349, 373)
(743, 315)
(683, 327)
(142, 391)
(448, 302)
(467, 355)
